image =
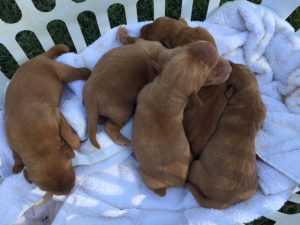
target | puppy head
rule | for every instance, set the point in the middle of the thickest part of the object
(189, 68)
(188, 35)
(219, 73)
(54, 173)
(163, 29)
(242, 79)
(205, 51)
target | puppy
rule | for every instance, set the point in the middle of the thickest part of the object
(113, 87)
(161, 55)
(37, 132)
(225, 173)
(172, 33)
(159, 140)
(163, 29)
(200, 120)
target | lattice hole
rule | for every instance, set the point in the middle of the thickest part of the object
(88, 26)
(173, 8)
(44, 6)
(116, 15)
(199, 9)
(262, 221)
(60, 34)
(253, 1)
(9, 11)
(29, 43)
(290, 208)
(8, 65)
(294, 19)
(145, 10)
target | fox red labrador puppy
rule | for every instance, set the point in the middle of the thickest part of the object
(200, 120)
(113, 87)
(39, 135)
(158, 139)
(225, 173)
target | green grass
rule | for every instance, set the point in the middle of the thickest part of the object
(9, 12)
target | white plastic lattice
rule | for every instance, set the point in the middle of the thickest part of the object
(68, 12)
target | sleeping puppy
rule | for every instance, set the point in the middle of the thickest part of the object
(172, 33)
(113, 87)
(225, 173)
(161, 55)
(200, 120)
(37, 132)
(163, 30)
(158, 139)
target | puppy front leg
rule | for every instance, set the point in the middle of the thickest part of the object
(68, 134)
(19, 165)
(68, 74)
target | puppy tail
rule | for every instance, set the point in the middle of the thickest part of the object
(203, 201)
(57, 50)
(92, 112)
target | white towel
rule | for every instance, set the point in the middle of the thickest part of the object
(108, 187)
(271, 181)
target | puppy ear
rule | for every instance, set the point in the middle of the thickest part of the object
(145, 31)
(205, 51)
(183, 21)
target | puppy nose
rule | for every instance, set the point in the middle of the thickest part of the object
(206, 51)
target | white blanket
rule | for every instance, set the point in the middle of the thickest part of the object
(108, 187)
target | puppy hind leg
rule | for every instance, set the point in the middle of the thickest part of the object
(19, 165)
(68, 134)
(68, 74)
(113, 131)
(117, 119)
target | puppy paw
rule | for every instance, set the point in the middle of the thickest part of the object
(123, 35)
(161, 192)
(121, 140)
(17, 168)
(26, 176)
